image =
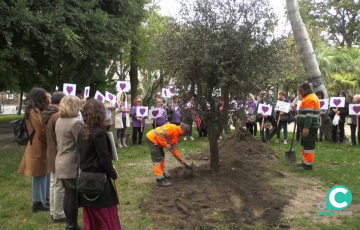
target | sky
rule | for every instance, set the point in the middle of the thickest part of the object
(171, 7)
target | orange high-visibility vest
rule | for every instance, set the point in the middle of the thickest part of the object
(166, 134)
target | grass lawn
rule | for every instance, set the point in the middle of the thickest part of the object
(334, 164)
(8, 118)
(134, 162)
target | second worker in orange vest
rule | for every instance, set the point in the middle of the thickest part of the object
(166, 136)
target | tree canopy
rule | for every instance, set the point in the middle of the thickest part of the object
(47, 43)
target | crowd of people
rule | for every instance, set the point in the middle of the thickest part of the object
(254, 120)
(68, 137)
(67, 140)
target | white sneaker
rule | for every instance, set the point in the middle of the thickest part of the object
(277, 141)
(185, 138)
(285, 142)
(191, 138)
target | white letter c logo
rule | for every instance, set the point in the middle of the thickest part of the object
(332, 198)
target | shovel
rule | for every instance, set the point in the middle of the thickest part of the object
(291, 156)
(178, 159)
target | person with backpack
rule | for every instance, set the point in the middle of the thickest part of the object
(34, 162)
(250, 110)
(57, 191)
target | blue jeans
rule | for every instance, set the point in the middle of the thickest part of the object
(121, 132)
(41, 188)
(282, 124)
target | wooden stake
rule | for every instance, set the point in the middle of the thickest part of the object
(141, 126)
(320, 120)
(116, 190)
(279, 120)
(262, 124)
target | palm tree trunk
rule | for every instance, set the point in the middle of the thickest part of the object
(305, 47)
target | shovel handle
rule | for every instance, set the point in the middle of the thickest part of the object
(181, 161)
(262, 124)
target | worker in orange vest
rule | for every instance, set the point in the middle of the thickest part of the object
(166, 136)
(308, 119)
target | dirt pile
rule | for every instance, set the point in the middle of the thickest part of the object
(238, 197)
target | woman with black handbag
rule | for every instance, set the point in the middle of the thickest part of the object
(97, 193)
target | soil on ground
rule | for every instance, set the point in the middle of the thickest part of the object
(240, 196)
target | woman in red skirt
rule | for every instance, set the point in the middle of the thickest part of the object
(100, 212)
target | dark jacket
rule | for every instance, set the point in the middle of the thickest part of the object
(343, 111)
(50, 116)
(95, 156)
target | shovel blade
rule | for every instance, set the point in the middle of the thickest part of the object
(290, 157)
(189, 167)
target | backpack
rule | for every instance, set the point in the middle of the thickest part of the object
(21, 135)
(250, 115)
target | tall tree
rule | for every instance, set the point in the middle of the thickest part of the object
(340, 19)
(217, 44)
(305, 47)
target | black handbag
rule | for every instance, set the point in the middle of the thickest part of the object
(91, 184)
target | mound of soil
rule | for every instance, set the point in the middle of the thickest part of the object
(238, 196)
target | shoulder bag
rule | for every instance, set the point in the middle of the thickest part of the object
(90, 184)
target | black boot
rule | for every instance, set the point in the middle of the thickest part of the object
(163, 183)
(304, 167)
(73, 225)
(38, 206)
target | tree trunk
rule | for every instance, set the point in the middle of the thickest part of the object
(214, 149)
(20, 103)
(305, 47)
(134, 81)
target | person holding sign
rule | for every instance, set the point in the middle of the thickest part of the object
(138, 122)
(308, 119)
(166, 136)
(175, 112)
(320, 95)
(342, 112)
(267, 119)
(122, 118)
(160, 121)
(109, 117)
(354, 122)
(283, 118)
